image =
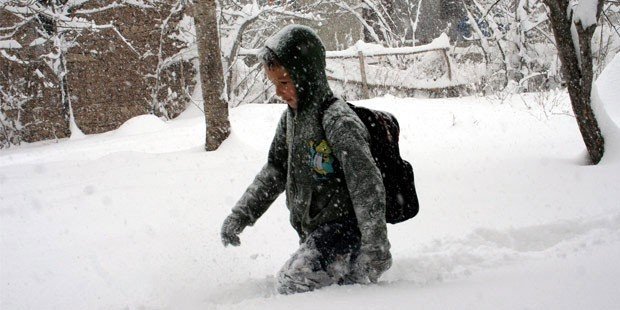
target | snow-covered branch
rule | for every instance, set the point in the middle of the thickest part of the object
(361, 20)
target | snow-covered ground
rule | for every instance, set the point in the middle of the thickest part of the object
(510, 218)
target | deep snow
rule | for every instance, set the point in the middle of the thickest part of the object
(510, 218)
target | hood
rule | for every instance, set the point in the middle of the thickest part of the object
(302, 53)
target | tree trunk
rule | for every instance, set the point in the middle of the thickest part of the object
(211, 73)
(578, 76)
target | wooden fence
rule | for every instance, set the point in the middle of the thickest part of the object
(361, 51)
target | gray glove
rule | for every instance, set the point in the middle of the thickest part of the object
(370, 265)
(232, 227)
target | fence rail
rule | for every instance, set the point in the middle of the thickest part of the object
(363, 50)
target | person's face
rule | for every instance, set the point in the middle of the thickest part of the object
(285, 87)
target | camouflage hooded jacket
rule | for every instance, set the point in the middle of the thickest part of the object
(313, 149)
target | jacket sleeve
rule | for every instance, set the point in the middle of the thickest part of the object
(269, 183)
(349, 139)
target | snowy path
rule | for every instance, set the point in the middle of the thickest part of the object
(510, 218)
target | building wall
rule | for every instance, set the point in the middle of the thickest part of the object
(107, 82)
(31, 96)
(111, 83)
(435, 18)
(339, 31)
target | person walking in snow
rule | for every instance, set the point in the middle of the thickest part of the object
(320, 155)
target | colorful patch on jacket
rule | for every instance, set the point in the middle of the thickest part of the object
(320, 158)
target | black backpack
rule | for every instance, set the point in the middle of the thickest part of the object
(400, 195)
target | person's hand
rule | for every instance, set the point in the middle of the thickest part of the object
(231, 229)
(370, 265)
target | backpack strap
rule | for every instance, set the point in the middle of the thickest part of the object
(324, 106)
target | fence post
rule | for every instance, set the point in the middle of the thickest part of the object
(365, 91)
(445, 56)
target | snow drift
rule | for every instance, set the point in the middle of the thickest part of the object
(509, 217)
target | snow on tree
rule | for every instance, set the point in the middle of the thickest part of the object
(573, 26)
(47, 48)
